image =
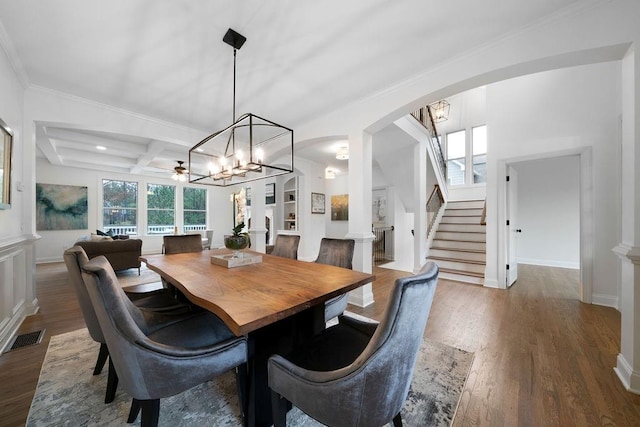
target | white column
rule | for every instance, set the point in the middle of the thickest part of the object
(360, 199)
(258, 229)
(628, 361)
(420, 196)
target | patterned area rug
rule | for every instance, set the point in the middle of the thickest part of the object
(68, 395)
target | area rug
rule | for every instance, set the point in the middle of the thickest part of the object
(69, 395)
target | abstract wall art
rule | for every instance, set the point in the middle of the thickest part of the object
(340, 207)
(61, 207)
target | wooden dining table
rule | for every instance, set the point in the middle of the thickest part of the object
(276, 304)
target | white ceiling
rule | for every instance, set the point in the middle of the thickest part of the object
(167, 60)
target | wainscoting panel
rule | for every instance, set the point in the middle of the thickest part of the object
(17, 286)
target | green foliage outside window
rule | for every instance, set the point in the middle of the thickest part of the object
(120, 203)
(195, 206)
(160, 208)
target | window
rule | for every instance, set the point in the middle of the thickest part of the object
(479, 141)
(194, 208)
(161, 201)
(119, 206)
(456, 154)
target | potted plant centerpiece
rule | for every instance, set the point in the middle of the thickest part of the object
(238, 240)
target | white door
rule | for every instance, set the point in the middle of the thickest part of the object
(512, 227)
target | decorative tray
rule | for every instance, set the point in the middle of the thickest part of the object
(228, 260)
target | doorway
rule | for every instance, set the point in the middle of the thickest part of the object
(549, 214)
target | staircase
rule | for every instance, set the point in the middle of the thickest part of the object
(459, 245)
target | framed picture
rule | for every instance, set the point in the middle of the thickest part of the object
(379, 207)
(340, 207)
(317, 203)
(61, 207)
(270, 193)
(5, 165)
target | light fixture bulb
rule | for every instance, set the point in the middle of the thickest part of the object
(342, 153)
(329, 173)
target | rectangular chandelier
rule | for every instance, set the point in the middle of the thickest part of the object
(251, 148)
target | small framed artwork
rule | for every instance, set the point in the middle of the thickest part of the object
(270, 193)
(317, 203)
(340, 207)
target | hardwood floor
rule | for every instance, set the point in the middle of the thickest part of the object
(542, 358)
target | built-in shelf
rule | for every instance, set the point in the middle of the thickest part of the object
(290, 202)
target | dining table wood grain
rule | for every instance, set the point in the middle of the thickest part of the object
(250, 297)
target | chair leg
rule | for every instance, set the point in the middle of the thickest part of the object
(134, 411)
(112, 383)
(102, 359)
(278, 409)
(397, 420)
(242, 384)
(150, 412)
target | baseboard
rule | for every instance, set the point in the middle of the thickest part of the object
(550, 263)
(491, 283)
(630, 379)
(13, 324)
(605, 300)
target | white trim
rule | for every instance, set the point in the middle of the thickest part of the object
(628, 253)
(630, 379)
(605, 301)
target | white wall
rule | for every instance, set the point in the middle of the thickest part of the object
(549, 212)
(11, 106)
(17, 282)
(334, 187)
(549, 112)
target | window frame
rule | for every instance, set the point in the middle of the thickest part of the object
(121, 228)
(191, 227)
(168, 229)
(469, 180)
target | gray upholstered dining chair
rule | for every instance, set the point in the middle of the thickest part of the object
(179, 244)
(166, 361)
(176, 244)
(286, 246)
(338, 252)
(354, 373)
(159, 308)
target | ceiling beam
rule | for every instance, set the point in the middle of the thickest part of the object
(48, 147)
(153, 150)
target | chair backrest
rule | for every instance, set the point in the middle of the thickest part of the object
(148, 369)
(182, 243)
(389, 359)
(338, 252)
(286, 246)
(75, 259)
(120, 323)
(209, 236)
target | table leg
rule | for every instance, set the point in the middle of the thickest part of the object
(278, 338)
